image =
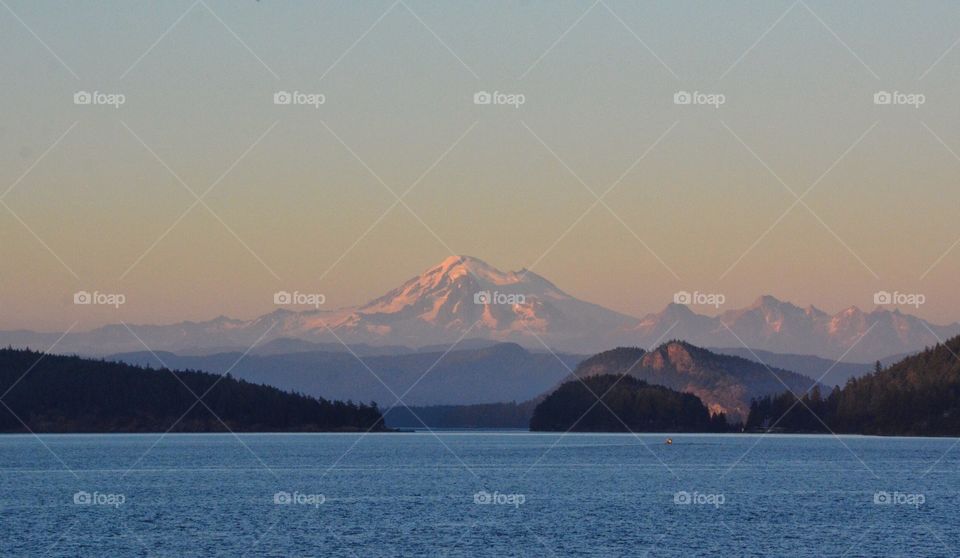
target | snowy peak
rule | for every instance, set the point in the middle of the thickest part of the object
(774, 325)
(490, 277)
(458, 276)
(463, 294)
(459, 266)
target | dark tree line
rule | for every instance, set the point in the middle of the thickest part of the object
(483, 415)
(73, 394)
(630, 405)
(919, 395)
(790, 413)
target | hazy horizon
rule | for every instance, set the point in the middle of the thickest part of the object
(702, 309)
(96, 197)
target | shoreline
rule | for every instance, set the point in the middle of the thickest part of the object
(491, 432)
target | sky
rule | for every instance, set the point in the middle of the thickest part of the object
(198, 196)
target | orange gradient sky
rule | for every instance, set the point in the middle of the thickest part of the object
(702, 198)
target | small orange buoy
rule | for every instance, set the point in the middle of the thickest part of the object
(669, 441)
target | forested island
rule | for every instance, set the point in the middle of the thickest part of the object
(918, 396)
(51, 393)
(626, 405)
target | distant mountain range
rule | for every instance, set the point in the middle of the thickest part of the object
(502, 372)
(463, 297)
(780, 327)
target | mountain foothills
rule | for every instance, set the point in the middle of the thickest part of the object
(50, 393)
(675, 387)
(678, 387)
(918, 396)
(490, 375)
(463, 297)
(502, 372)
(724, 384)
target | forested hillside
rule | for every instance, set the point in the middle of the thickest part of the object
(918, 396)
(51, 393)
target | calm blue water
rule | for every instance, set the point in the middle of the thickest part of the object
(417, 494)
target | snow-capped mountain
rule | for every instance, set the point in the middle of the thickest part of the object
(464, 292)
(773, 325)
(460, 298)
(464, 298)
